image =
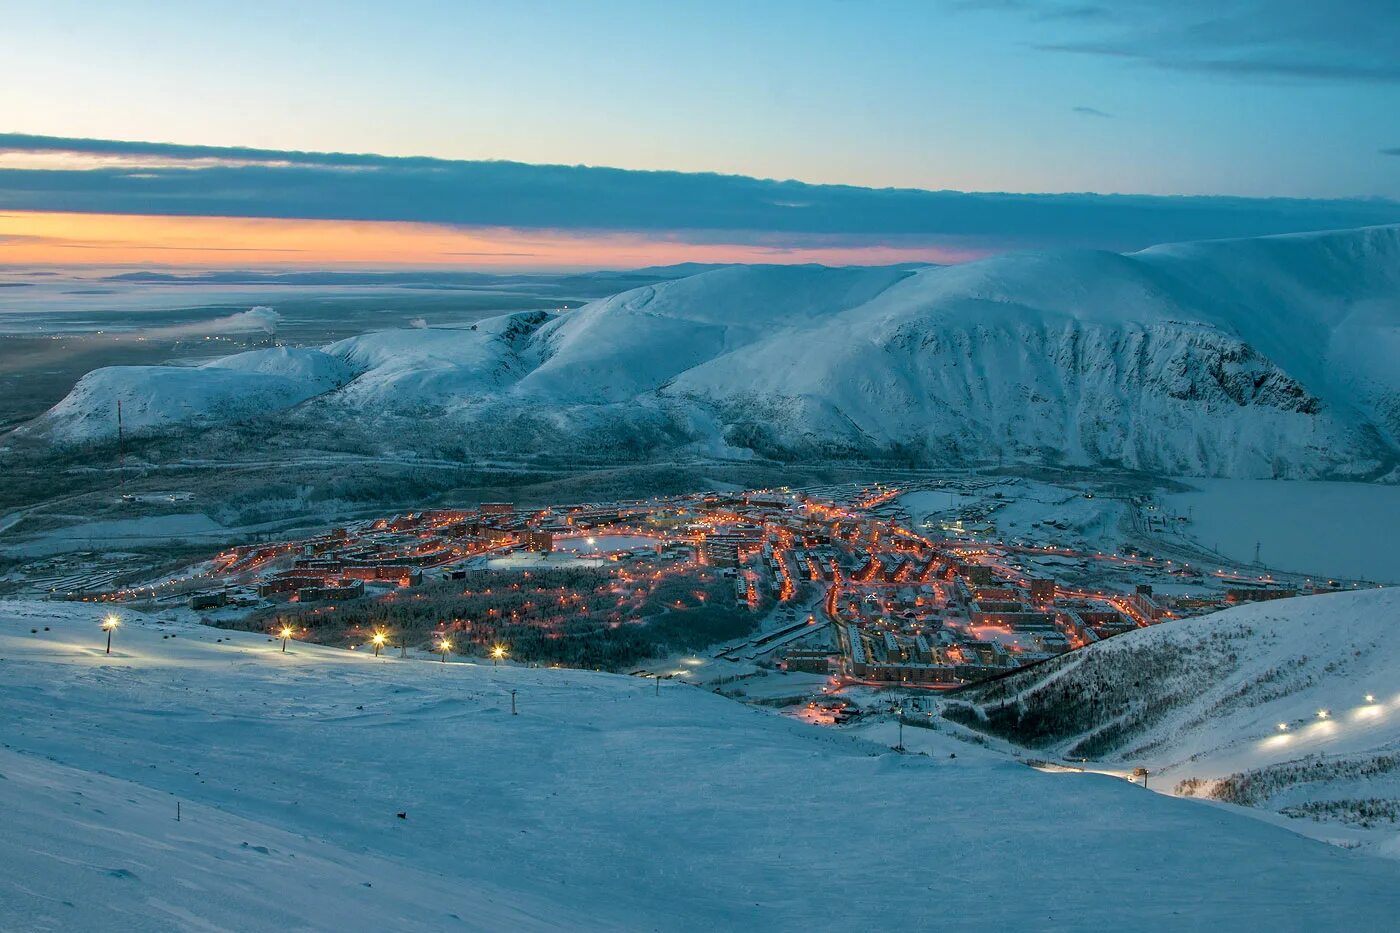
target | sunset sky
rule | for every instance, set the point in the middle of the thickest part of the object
(477, 119)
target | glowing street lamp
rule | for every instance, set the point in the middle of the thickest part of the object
(1370, 698)
(109, 625)
(378, 639)
(285, 633)
(1283, 727)
(444, 646)
(1323, 714)
(497, 653)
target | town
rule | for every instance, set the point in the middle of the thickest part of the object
(840, 581)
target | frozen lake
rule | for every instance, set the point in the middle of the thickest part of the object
(1333, 529)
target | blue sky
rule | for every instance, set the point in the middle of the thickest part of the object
(1252, 98)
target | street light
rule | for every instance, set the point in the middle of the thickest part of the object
(444, 646)
(109, 625)
(497, 653)
(378, 639)
(284, 634)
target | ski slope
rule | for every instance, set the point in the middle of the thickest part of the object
(1248, 691)
(599, 806)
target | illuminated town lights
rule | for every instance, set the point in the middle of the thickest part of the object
(109, 625)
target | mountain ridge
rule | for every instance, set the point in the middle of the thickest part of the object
(1265, 357)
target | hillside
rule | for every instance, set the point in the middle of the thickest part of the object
(1291, 705)
(601, 805)
(1271, 357)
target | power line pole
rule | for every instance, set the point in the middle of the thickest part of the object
(121, 453)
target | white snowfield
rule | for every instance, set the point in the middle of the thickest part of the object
(599, 806)
(1251, 689)
(1246, 358)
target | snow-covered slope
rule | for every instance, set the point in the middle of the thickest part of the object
(599, 806)
(241, 386)
(1235, 700)
(1249, 358)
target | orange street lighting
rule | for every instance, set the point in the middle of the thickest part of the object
(497, 653)
(109, 625)
(444, 646)
(284, 634)
(378, 639)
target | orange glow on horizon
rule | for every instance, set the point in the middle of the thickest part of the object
(63, 239)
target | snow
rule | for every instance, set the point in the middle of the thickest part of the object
(258, 382)
(1204, 698)
(1258, 358)
(600, 805)
(115, 532)
(1330, 529)
(604, 544)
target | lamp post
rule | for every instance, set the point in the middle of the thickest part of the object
(285, 634)
(109, 625)
(497, 653)
(378, 639)
(444, 646)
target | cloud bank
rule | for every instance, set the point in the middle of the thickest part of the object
(112, 177)
(1301, 41)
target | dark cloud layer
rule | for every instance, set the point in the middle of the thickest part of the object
(1299, 40)
(200, 180)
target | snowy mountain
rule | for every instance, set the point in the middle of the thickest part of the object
(153, 397)
(1248, 358)
(601, 805)
(1292, 706)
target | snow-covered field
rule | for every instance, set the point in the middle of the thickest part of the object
(1339, 529)
(183, 526)
(599, 806)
